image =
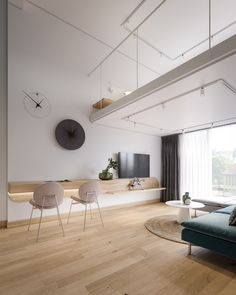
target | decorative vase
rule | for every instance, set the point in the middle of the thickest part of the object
(186, 199)
(105, 175)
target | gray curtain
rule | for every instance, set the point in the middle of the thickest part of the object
(170, 167)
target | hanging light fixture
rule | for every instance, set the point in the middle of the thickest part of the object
(202, 91)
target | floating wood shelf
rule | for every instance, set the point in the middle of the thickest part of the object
(104, 102)
(136, 191)
(23, 191)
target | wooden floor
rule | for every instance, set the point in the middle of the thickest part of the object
(122, 258)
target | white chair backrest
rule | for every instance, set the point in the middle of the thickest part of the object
(49, 194)
(89, 191)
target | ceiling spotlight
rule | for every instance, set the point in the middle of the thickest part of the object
(202, 91)
(125, 22)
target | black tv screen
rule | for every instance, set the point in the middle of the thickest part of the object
(133, 165)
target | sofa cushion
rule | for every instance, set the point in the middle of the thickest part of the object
(217, 201)
(227, 210)
(213, 224)
(232, 218)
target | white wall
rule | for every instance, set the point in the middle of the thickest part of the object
(34, 153)
(3, 110)
(36, 64)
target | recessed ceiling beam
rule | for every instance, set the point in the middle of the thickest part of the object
(204, 60)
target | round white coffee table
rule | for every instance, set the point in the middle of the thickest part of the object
(184, 210)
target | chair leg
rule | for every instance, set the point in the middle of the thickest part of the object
(189, 249)
(60, 222)
(69, 212)
(100, 213)
(30, 217)
(195, 215)
(41, 214)
(85, 213)
(90, 211)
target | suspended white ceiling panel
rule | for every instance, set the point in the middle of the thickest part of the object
(218, 103)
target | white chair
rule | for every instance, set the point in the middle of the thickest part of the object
(87, 194)
(47, 196)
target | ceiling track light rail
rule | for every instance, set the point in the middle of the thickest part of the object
(145, 125)
(161, 52)
(132, 13)
(206, 126)
(127, 37)
(62, 20)
(133, 32)
(181, 55)
(209, 24)
(194, 128)
(202, 89)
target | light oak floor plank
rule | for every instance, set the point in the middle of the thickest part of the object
(121, 258)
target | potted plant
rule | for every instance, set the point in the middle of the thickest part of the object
(106, 174)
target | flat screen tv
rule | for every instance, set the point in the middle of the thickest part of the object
(133, 165)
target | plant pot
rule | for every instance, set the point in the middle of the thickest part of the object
(105, 176)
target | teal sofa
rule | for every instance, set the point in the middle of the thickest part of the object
(212, 231)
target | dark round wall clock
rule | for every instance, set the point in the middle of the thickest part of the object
(70, 134)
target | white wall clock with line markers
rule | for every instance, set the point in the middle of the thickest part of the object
(36, 104)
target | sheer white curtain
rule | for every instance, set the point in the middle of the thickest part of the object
(195, 164)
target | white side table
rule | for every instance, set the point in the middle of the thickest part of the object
(184, 210)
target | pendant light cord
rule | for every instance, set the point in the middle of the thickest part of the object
(137, 64)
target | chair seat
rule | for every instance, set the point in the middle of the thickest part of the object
(47, 196)
(33, 203)
(87, 195)
(77, 199)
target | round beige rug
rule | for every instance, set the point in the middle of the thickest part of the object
(166, 227)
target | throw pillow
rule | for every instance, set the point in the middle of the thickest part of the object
(232, 218)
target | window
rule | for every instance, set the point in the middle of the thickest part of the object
(224, 161)
(196, 164)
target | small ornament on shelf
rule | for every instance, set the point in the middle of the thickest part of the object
(135, 183)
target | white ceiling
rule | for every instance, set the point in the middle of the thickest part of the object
(170, 28)
(173, 29)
